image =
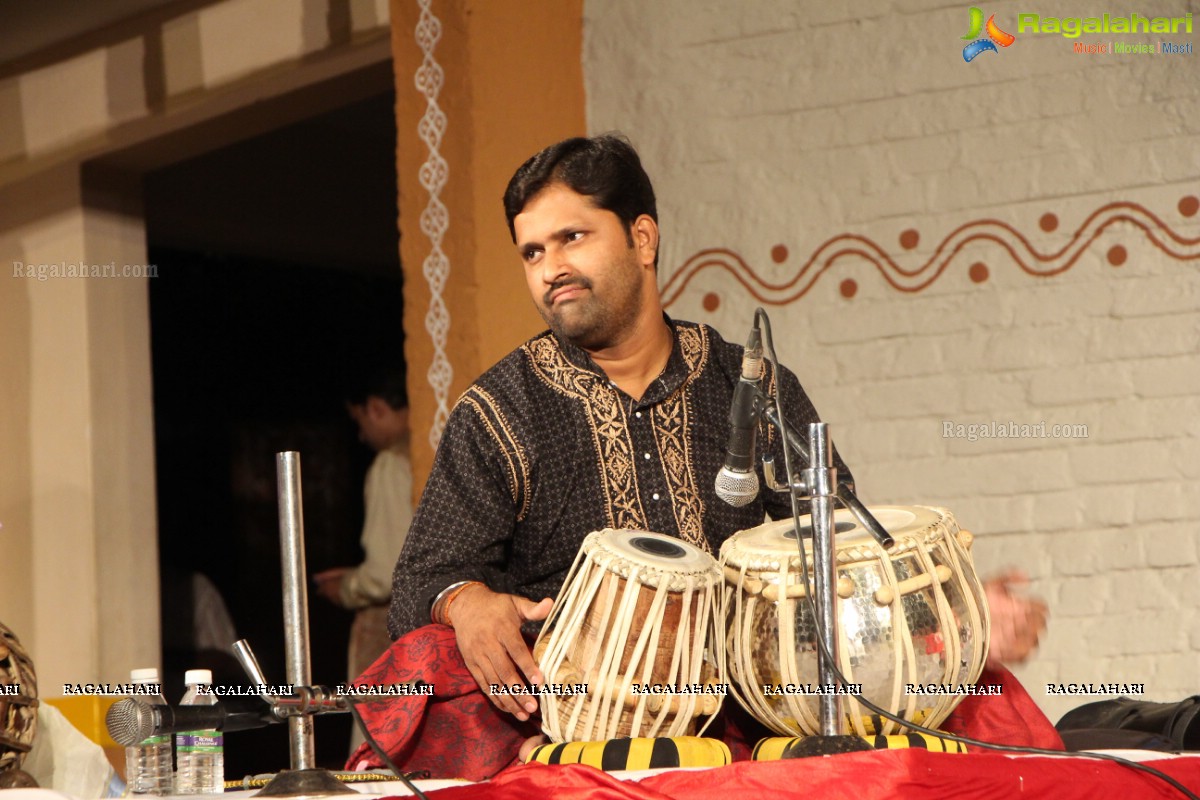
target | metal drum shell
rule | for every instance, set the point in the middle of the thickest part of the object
(18, 713)
(913, 614)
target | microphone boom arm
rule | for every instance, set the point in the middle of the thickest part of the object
(845, 489)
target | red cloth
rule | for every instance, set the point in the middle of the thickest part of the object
(458, 733)
(1008, 718)
(916, 774)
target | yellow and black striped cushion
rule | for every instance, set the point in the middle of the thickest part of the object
(772, 749)
(873, 723)
(628, 754)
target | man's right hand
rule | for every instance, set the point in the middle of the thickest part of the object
(329, 584)
(487, 626)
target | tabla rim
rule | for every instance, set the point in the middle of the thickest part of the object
(764, 547)
(615, 551)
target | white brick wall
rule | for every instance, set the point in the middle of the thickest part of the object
(784, 122)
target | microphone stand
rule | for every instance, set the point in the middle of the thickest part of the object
(303, 779)
(818, 485)
(845, 491)
(126, 720)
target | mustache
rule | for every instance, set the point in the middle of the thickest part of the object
(580, 281)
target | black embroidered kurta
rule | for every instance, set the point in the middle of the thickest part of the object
(543, 449)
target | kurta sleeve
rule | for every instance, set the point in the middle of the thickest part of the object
(464, 524)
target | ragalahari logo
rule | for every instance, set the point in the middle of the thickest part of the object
(995, 36)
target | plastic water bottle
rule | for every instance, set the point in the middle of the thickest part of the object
(148, 764)
(199, 755)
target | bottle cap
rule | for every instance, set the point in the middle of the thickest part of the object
(193, 676)
(147, 675)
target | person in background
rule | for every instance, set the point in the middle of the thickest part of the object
(381, 411)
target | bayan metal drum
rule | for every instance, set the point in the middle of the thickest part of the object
(626, 651)
(912, 619)
(18, 709)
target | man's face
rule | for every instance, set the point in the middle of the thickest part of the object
(585, 277)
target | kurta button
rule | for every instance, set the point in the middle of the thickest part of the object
(655, 495)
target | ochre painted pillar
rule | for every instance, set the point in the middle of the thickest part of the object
(512, 83)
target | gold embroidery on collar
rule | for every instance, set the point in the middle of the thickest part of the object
(766, 431)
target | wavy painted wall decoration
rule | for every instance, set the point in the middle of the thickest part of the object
(848, 248)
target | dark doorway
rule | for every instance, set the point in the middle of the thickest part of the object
(278, 283)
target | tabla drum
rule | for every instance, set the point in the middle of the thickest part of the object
(913, 621)
(18, 706)
(627, 650)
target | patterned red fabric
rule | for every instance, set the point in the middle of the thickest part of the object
(458, 733)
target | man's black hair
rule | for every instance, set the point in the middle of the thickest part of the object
(604, 168)
(388, 383)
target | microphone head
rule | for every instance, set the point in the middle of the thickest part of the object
(129, 721)
(736, 488)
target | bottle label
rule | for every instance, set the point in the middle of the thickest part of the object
(161, 739)
(199, 741)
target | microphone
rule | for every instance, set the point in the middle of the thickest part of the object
(131, 721)
(737, 482)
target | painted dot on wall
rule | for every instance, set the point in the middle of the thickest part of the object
(779, 253)
(712, 301)
(1117, 255)
(849, 288)
(1188, 206)
(909, 239)
(978, 272)
(1048, 222)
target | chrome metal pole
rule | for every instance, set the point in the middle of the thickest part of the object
(295, 601)
(821, 480)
